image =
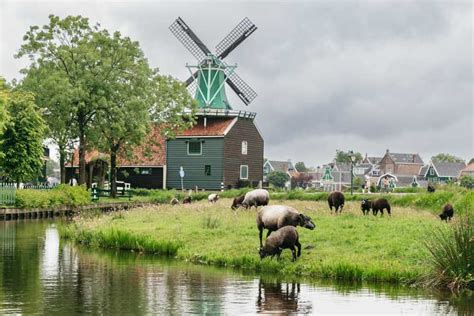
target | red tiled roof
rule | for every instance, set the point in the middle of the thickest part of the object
(214, 127)
(151, 153)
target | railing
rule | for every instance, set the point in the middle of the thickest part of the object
(97, 193)
(7, 193)
(231, 113)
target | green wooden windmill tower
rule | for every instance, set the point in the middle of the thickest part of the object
(224, 148)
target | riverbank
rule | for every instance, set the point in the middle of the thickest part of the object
(348, 246)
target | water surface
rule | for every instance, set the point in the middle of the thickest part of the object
(40, 274)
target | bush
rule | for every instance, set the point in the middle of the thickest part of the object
(452, 256)
(58, 196)
(467, 182)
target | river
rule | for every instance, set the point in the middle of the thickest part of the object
(41, 274)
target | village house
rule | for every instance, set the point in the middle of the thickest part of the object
(468, 170)
(282, 166)
(442, 171)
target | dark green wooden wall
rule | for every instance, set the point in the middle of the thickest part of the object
(194, 166)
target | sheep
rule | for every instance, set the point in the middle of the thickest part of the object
(284, 238)
(187, 200)
(237, 202)
(336, 200)
(380, 205)
(274, 217)
(174, 201)
(448, 212)
(430, 188)
(213, 197)
(256, 198)
(365, 206)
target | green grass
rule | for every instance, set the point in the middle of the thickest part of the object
(348, 246)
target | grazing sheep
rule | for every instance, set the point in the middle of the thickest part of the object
(256, 198)
(365, 206)
(380, 205)
(174, 201)
(237, 202)
(187, 200)
(213, 197)
(448, 212)
(284, 238)
(336, 200)
(274, 217)
(430, 188)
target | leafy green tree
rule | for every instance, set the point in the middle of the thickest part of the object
(446, 158)
(344, 157)
(22, 141)
(467, 181)
(4, 94)
(301, 167)
(471, 161)
(52, 91)
(278, 178)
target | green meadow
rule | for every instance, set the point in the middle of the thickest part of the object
(349, 246)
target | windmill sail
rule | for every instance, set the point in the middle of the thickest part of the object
(190, 40)
(235, 37)
(241, 88)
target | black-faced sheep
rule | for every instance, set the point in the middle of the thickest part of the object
(274, 217)
(430, 188)
(448, 212)
(284, 238)
(336, 200)
(256, 198)
(187, 200)
(380, 205)
(237, 202)
(213, 197)
(174, 201)
(365, 206)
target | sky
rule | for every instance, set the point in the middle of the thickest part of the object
(350, 75)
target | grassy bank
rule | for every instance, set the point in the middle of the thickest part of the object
(349, 246)
(59, 196)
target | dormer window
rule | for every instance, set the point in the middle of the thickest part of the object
(244, 147)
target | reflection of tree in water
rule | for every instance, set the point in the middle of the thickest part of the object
(281, 298)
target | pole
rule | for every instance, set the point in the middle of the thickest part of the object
(352, 173)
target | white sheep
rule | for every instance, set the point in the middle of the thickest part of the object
(213, 197)
(256, 198)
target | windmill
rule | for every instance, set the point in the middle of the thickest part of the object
(211, 73)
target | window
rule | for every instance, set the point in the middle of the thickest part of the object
(145, 170)
(194, 148)
(244, 147)
(207, 170)
(244, 172)
(432, 172)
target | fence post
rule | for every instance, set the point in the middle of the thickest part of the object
(222, 186)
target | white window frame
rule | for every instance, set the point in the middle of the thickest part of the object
(240, 175)
(244, 148)
(200, 148)
(432, 172)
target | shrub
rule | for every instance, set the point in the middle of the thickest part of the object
(452, 256)
(58, 196)
(467, 182)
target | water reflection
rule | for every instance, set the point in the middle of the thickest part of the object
(39, 274)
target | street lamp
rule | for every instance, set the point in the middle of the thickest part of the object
(353, 158)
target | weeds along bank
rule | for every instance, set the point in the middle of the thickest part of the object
(348, 246)
(62, 195)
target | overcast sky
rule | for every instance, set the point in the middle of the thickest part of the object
(360, 75)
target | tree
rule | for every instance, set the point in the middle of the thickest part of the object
(471, 161)
(301, 167)
(52, 91)
(4, 93)
(446, 158)
(85, 57)
(467, 181)
(344, 157)
(22, 141)
(277, 178)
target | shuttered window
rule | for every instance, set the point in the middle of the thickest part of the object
(244, 172)
(244, 147)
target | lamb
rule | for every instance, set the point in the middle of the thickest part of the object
(213, 197)
(336, 200)
(187, 200)
(237, 202)
(380, 205)
(365, 206)
(256, 198)
(274, 217)
(284, 238)
(174, 201)
(448, 212)
(430, 188)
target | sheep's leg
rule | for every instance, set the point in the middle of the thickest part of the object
(298, 245)
(268, 233)
(260, 232)
(293, 252)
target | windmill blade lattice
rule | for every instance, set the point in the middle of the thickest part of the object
(235, 37)
(190, 40)
(241, 88)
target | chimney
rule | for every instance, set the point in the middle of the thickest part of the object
(414, 156)
(387, 151)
